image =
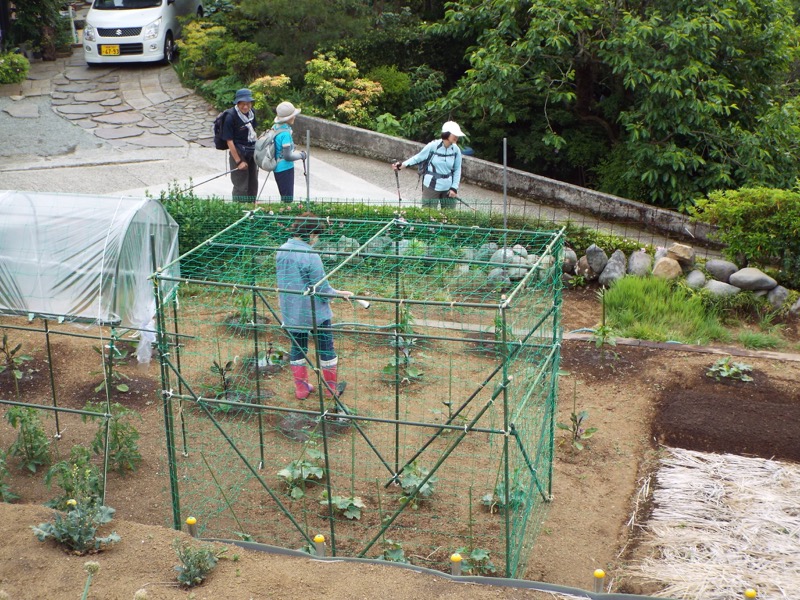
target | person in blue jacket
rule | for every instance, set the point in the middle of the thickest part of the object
(441, 174)
(298, 268)
(285, 114)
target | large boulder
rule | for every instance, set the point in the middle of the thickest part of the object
(503, 256)
(597, 258)
(570, 260)
(518, 267)
(683, 254)
(582, 269)
(721, 270)
(520, 250)
(696, 279)
(720, 288)
(667, 268)
(777, 296)
(752, 279)
(498, 278)
(614, 270)
(640, 263)
(485, 252)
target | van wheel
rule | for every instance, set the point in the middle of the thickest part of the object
(169, 48)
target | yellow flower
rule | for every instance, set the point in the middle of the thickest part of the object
(72, 503)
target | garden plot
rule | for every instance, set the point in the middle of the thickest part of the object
(443, 439)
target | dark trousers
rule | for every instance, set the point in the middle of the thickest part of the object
(245, 183)
(323, 340)
(431, 198)
(285, 181)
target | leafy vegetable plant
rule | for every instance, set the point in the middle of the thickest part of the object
(580, 433)
(123, 447)
(309, 467)
(725, 368)
(32, 445)
(12, 361)
(196, 562)
(77, 528)
(77, 477)
(476, 561)
(347, 506)
(410, 479)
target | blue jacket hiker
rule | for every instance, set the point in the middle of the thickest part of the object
(298, 268)
(285, 114)
(239, 133)
(441, 167)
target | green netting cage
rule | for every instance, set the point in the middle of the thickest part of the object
(442, 439)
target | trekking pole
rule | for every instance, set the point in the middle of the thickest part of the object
(207, 180)
(473, 208)
(397, 179)
(263, 185)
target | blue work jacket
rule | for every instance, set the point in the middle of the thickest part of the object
(298, 266)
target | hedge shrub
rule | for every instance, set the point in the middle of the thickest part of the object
(13, 68)
(757, 225)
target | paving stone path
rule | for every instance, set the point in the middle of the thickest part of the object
(126, 106)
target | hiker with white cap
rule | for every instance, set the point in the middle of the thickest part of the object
(285, 114)
(239, 133)
(440, 167)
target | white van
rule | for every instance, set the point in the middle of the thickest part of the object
(134, 30)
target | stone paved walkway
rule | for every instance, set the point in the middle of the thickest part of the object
(127, 106)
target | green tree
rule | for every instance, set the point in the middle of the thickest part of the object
(290, 31)
(680, 98)
(338, 92)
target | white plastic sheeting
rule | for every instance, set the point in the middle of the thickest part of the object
(83, 258)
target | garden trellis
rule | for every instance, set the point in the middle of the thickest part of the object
(78, 260)
(443, 438)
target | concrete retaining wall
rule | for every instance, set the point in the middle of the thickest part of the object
(370, 144)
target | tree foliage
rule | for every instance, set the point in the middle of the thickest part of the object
(290, 31)
(680, 97)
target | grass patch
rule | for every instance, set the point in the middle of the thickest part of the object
(654, 309)
(756, 340)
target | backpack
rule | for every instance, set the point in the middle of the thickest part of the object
(265, 151)
(422, 168)
(219, 143)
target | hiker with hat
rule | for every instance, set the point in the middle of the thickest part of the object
(239, 133)
(440, 167)
(285, 114)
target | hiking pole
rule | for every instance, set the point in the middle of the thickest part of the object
(397, 179)
(263, 185)
(207, 180)
(474, 209)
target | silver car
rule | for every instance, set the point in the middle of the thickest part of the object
(134, 30)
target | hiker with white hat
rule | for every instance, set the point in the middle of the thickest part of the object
(440, 167)
(285, 114)
(239, 133)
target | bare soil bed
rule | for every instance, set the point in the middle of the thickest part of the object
(638, 397)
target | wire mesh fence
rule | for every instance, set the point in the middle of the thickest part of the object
(442, 439)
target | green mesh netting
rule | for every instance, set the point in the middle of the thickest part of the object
(443, 438)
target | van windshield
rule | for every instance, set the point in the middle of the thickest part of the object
(125, 4)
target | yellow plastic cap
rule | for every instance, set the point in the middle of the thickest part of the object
(319, 538)
(191, 521)
(599, 573)
(750, 593)
(455, 557)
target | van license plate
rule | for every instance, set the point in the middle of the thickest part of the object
(109, 50)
